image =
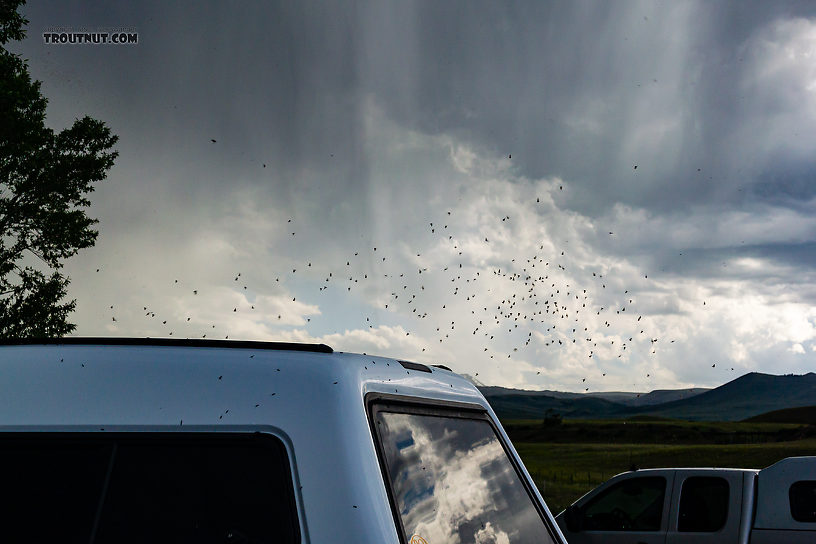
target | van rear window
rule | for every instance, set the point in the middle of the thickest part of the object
(803, 501)
(146, 487)
(452, 481)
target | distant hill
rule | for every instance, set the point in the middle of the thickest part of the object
(492, 390)
(804, 415)
(657, 396)
(744, 397)
(521, 406)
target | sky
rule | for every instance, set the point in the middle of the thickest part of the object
(582, 196)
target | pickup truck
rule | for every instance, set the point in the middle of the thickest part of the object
(699, 505)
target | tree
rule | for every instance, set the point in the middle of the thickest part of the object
(45, 178)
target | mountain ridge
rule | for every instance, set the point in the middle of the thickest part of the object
(749, 395)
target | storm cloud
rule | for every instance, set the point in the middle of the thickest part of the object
(666, 146)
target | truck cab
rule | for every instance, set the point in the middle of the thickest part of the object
(699, 506)
(661, 506)
(144, 440)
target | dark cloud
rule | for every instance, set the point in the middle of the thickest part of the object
(568, 87)
(272, 84)
(684, 128)
(583, 91)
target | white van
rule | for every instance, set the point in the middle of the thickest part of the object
(106, 440)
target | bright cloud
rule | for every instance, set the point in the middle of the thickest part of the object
(491, 275)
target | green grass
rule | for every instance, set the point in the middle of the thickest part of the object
(655, 431)
(564, 472)
(725, 426)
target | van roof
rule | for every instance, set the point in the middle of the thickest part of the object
(114, 341)
(153, 381)
(310, 396)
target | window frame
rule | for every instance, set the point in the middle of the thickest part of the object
(111, 437)
(385, 402)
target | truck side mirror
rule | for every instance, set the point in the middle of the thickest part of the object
(573, 518)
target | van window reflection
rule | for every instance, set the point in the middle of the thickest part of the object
(454, 483)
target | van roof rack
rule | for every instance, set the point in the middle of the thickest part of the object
(199, 343)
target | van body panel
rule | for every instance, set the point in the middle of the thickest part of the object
(315, 402)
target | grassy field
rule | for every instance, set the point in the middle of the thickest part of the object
(655, 430)
(563, 472)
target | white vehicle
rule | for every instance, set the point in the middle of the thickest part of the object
(699, 506)
(153, 441)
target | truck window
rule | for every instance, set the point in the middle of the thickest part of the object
(452, 481)
(146, 487)
(703, 504)
(635, 504)
(803, 501)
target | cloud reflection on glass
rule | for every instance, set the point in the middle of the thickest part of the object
(453, 482)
